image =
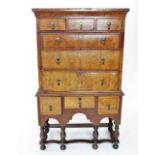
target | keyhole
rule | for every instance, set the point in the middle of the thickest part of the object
(102, 82)
(109, 107)
(58, 60)
(80, 102)
(58, 82)
(50, 108)
(102, 60)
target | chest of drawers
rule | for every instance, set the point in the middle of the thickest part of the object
(80, 58)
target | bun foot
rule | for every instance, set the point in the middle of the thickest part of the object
(42, 147)
(115, 146)
(95, 146)
(63, 147)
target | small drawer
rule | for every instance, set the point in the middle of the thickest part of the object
(52, 24)
(79, 102)
(60, 59)
(100, 59)
(80, 24)
(50, 105)
(108, 105)
(60, 41)
(109, 24)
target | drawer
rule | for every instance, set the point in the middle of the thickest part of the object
(50, 105)
(109, 24)
(100, 59)
(60, 41)
(52, 24)
(73, 81)
(80, 24)
(99, 41)
(87, 41)
(108, 105)
(79, 102)
(59, 81)
(60, 59)
(99, 81)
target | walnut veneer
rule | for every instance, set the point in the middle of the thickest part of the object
(80, 57)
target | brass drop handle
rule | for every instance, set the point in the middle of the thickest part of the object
(58, 39)
(109, 107)
(108, 25)
(102, 82)
(103, 40)
(81, 26)
(58, 82)
(50, 108)
(80, 102)
(102, 60)
(58, 60)
(53, 26)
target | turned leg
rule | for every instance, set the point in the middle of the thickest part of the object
(43, 137)
(46, 127)
(116, 135)
(95, 137)
(110, 125)
(63, 136)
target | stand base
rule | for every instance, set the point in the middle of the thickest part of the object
(95, 141)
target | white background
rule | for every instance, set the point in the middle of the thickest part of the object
(19, 133)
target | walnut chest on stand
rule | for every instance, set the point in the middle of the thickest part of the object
(80, 58)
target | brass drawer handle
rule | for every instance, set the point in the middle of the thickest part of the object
(81, 26)
(53, 26)
(58, 60)
(109, 107)
(80, 102)
(102, 60)
(108, 25)
(58, 82)
(50, 108)
(102, 82)
(58, 39)
(103, 40)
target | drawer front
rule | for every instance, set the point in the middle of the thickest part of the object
(98, 41)
(100, 59)
(108, 105)
(109, 24)
(60, 60)
(52, 24)
(60, 41)
(80, 24)
(59, 81)
(73, 81)
(79, 102)
(98, 81)
(50, 105)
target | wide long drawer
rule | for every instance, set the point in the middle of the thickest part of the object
(73, 81)
(82, 41)
(82, 59)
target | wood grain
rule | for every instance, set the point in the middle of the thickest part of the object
(80, 60)
(108, 105)
(79, 102)
(50, 105)
(51, 24)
